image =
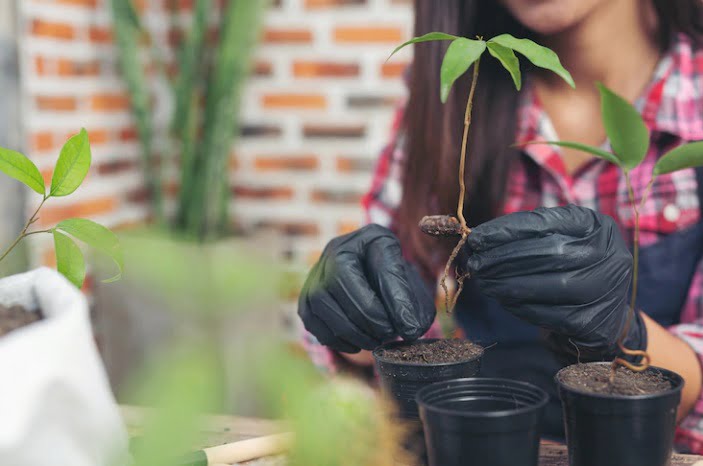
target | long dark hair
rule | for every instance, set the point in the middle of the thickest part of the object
(433, 131)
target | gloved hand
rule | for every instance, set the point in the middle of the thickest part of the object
(362, 293)
(565, 269)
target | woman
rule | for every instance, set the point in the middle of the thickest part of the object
(565, 270)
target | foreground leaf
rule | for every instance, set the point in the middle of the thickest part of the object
(19, 167)
(578, 146)
(628, 135)
(685, 156)
(538, 55)
(96, 236)
(69, 259)
(459, 57)
(72, 166)
(509, 61)
(429, 37)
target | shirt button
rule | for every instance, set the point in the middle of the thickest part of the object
(672, 212)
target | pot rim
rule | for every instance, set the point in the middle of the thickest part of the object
(384, 346)
(673, 377)
(536, 406)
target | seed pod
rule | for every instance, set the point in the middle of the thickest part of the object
(440, 225)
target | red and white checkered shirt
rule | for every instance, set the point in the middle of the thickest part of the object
(672, 107)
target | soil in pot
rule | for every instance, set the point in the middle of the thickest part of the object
(487, 422)
(433, 352)
(14, 317)
(628, 423)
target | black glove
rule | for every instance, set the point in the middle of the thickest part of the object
(565, 269)
(362, 293)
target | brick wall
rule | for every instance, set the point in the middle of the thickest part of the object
(315, 113)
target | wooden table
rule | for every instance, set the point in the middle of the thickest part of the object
(226, 429)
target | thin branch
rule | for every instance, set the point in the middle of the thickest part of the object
(24, 233)
(465, 137)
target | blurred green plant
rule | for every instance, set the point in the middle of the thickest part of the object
(202, 137)
(335, 423)
(71, 169)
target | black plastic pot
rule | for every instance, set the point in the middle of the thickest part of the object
(487, 422)
(617, 430)
(400, 381)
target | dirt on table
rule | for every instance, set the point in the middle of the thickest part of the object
(595, 378)
(14, 317)
(436, 352)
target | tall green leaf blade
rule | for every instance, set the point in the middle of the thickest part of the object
(629, 136)
(459, 57)
(69, 259)
(96, 236)
(684, 156)
(537, 54)
(578, 146)
(429, 37)
(72, 166)
(509, 61)
(19, 167)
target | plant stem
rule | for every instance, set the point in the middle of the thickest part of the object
(462, 159)
(635, 276)
(24, 233)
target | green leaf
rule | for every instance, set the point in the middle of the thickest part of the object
(459, 57)
(685, 156)
(629, 136)
(538, 55)
(19, 167)
(429, 37)
(72, 166)
(96, 236)
(69, 259)
(578, 146)
(509, 61)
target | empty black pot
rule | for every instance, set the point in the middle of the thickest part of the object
(400, 381)
(487, 422)
(617, 430)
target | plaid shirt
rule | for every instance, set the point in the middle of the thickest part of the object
(672, 107)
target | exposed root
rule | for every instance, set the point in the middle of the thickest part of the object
(449, 307)
(642, 366)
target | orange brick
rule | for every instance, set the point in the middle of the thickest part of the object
(97, 136)
(308, 101)
(263, 193)
(85, 3)
(46, 175)
(347, 227)
(313, 69)
(74, 68)
(49, 258)
(263, 68)
(42, 141)
(61, 104)
(50, 215)
(100, 35)
(393, 70)
(278, 36)
(368, 34)
(40, 65)
(53, 30)
(128, 134)
(303, 162)
(109, 102)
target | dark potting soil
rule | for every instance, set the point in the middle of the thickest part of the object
(14, 317)
(595, 378)
(436, 352)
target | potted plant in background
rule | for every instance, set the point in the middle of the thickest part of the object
(624, 413)
(204, 84)
(405, 368)
(47, 348)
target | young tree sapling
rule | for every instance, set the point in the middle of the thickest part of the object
(71, 169)
(460, 55)
(629, 143)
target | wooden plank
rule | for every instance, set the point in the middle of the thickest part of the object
(552, 454)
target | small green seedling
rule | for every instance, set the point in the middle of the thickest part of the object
(629, 141)
(70, 171)
(460, 55)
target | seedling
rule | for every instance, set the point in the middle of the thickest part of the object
(460, 55)
(71, 169)
(629, 141)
